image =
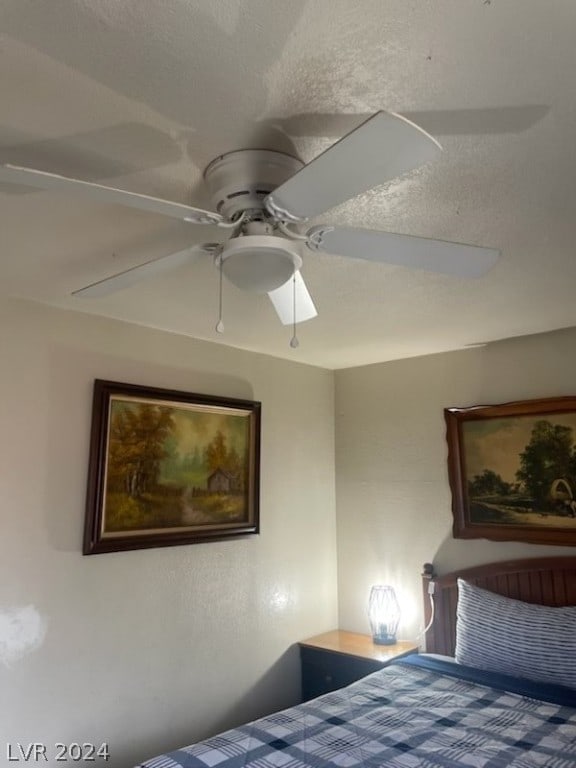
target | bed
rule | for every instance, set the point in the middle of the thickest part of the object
(431, 711)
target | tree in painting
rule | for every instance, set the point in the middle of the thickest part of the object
(218, 457)
(549, 455)
(488, 484)
(137, 440)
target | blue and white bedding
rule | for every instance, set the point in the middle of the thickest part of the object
(416, 713)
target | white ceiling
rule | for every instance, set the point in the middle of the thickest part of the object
(141, 95)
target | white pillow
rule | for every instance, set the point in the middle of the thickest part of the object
(514, 638)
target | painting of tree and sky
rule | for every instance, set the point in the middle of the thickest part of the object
(521, 470)
(172, 466)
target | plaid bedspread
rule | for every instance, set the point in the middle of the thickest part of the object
(402, 717)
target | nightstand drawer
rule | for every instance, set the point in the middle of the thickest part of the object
(337, 658)
(323, 671)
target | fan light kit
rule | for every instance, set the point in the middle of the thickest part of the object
(261, 196)
(259, 263)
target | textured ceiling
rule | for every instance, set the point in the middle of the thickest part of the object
(142, 95)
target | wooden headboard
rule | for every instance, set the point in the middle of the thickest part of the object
(545, 581)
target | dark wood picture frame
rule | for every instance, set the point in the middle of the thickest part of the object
(169, 467)
(512, 471)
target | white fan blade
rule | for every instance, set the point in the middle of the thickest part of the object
(15, 174)
(137, 274)
(283, 300)
(404, 250)
(383, 147)
(439, 122)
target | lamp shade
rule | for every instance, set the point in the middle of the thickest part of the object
(384, 614)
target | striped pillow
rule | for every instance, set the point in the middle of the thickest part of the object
(514, 638)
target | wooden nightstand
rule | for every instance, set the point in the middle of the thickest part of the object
(338, 658)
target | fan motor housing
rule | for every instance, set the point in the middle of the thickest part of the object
(240, 181)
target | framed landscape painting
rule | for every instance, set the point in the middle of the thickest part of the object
(169, 468)
(512, 471)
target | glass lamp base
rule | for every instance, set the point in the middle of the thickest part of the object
(384, 639)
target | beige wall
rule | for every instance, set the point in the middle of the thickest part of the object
(155, 648)
(393, 497)
(151, 649)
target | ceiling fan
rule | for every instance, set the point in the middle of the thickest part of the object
(261, 196)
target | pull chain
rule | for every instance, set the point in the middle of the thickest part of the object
(220, 324)
(294, 340)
